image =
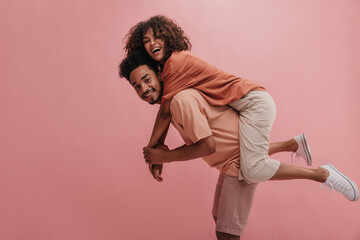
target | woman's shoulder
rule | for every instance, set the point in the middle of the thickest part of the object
(183, 61)
(176, 60)
(179, 56)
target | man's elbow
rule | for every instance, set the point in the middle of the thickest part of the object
(210, 145)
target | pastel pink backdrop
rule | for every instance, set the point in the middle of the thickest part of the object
(72, 131)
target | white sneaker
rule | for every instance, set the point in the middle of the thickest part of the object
(341, 183)
(303, 149)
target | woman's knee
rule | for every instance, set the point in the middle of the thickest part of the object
(251, 177)
(261, 171)
(255, 174)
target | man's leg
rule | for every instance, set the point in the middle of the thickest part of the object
(232, 204)
(226, 236)
(218, 189)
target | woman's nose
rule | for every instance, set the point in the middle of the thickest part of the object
(152, 41)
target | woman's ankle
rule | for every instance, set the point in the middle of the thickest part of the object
(293, 146)
(322, 174)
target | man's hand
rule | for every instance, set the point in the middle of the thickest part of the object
(157, 155)
(156, 170)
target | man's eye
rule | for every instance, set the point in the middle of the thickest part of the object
(147, 80)
(137, 87)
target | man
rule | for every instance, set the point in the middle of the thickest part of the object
(219, 146)
(212, 134)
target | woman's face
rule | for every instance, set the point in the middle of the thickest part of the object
(154, 46)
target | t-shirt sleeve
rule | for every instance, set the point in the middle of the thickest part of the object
(172, 83)
(176, 75)
(187, 112)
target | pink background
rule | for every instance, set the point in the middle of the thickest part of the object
(72, 131)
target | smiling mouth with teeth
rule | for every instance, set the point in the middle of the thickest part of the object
(148, 93)
(155, 50)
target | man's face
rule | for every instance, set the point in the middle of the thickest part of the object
(146, 84)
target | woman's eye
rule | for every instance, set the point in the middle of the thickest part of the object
(145, 41)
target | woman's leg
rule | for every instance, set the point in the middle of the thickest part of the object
(284, 146)
(257, 112)
(288, 172)
(326, 174)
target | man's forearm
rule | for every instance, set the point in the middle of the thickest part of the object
(202, 148)
(163, 136)
(160, 129)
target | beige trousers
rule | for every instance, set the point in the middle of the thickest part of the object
(257, 113)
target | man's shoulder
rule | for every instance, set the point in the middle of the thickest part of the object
(186, 100)
(186, 95)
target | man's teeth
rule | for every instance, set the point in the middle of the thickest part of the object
(149, 93)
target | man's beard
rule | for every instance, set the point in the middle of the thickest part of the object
(158, 99)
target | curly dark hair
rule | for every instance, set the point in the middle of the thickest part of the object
(136, 59)
(164, 28)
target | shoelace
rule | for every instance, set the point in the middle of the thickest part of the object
(329, 185)
(337, 185)
(297, 157)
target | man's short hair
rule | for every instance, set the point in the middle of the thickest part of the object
(136, 59)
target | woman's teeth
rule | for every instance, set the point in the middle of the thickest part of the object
(155, 50)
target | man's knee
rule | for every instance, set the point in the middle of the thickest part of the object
(226, 236)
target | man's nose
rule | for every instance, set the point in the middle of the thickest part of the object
(143, 87)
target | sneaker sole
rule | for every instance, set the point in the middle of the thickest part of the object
(353, 185)
(307, 149)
